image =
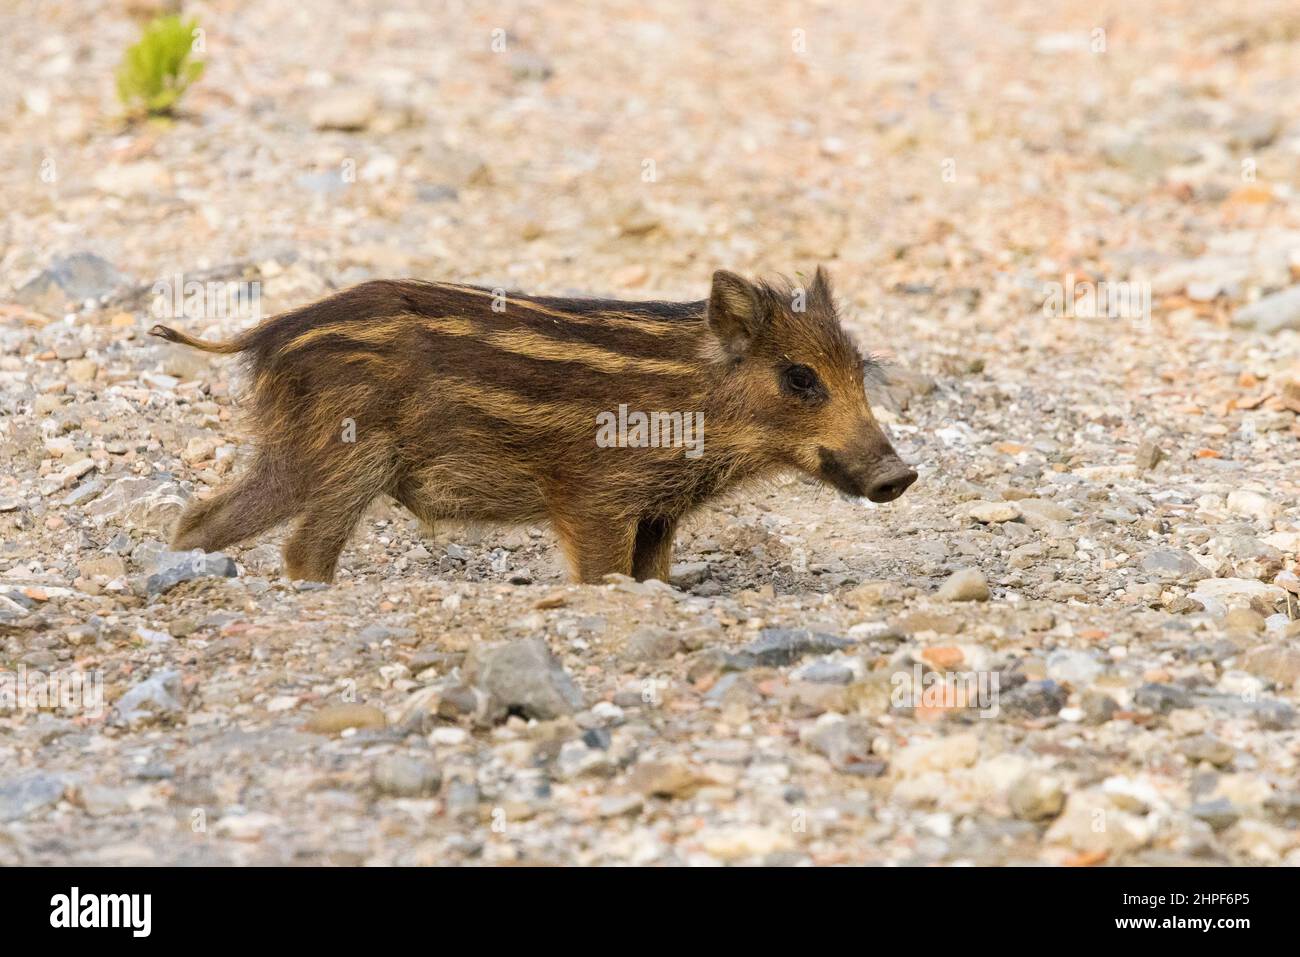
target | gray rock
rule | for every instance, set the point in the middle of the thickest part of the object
(826, 671)
(156, 698)
(1276, 663)
(74, 278)
(1034, 699)
(648, 643)
(1076, 668)
(1269, 713)
(847, 744)
(1219, 813)
(527, 65)
(146, 503)
(522, 677)
(1205, 747)
(324, 183)
(25, 794)
(398, 775)
(776, 647)
(176, 567)
(83, 493)
(686, 574)
(1161, 697)
(1272, 313)
(1170, 564)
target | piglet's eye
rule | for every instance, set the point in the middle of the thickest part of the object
(800, 380)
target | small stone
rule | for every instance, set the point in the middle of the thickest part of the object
(1091, 823)
(157, 698)
(737, 842)
(334, 719)
(522, 677)
(1148, 455)
(1276, 663)
(1034, 699)
(1098, 707)
(401, 776)
(107, 566)
(1272, 313)
(967, 584)
(1205, 747)
(937, 754)
(1219, 813)
(1253, 505)
(672, 778)
(346, 110)
(82, 371)
(83, 493)
(1161, 698)
(529, 65)
(1039, 513)
(128, 180)
(648, 643)
(25, 794)
(1172, 565)
(1075, 668)
(825, 671)
(176, 567)
(1036, 797)
(776, 647)
(991, 513)
(687, 574)
(74, 278)
(846, 742)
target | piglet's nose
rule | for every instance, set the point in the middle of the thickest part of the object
(889, 485)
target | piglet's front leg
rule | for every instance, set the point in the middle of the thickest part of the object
(595, 545)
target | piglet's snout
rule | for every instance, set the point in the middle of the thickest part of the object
(890, 480)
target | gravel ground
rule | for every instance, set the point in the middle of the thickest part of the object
(1073, 641)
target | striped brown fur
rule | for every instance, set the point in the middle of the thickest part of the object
(467, 404)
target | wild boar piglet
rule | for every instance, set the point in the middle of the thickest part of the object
(611, 420)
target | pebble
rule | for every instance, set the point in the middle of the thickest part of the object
(523, 677)
(1253, 505)
(1206, 747)
(349, 110)
(991, 513)
(1036, 797)
(74, 278)
(938, 754)
(1170, 564)
(25, 794)
(401, 776)
(337, 718)
(670, 778)
(172, 568)
(1272, 313)
(968, 584)
(1161, 698)
(776, 647)
(157, 698)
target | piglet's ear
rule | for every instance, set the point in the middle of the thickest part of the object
(819, 294)
(737, 312)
